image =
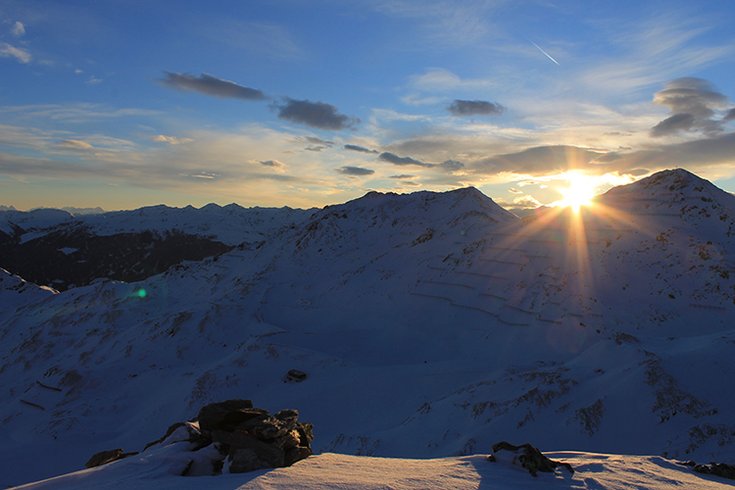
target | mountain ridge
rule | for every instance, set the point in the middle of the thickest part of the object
(425, 328)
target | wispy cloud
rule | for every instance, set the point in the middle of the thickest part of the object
(18, 29)
(209, 85)
(19, 54)
(442, 80)
(653, 50)
(75, 145)
(269, 39)
(315, 114)
(443, 23)
(171, 140)
(74, 113)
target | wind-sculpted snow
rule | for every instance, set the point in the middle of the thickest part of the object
(429, 324)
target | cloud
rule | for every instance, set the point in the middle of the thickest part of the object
(692, 102)
(717, 150)
(730, 115)
(673, 124)
(18, 29)
(402, 176)
(361, 149)
(317, 144)
(442, 80)
(315, 114)
(202, 175)
(269, 40)
(513, 190)
(171, 140)
(525, 202)
(475, 108)
(441, 23)
(451, 165)
(209, 85)
(539, 159)
(10, 51)
(396, 160)
(75, 145)
(355, 171)
(272, 163)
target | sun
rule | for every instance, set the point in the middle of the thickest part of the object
(579, 192)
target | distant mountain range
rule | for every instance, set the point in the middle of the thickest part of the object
(428, 324)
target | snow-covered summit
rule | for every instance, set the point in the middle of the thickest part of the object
(675, 191)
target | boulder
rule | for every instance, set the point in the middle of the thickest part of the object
(295, 376)
(232, 435)
(528, 457)
(227, 415)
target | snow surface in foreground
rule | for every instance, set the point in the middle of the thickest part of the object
(339, 471)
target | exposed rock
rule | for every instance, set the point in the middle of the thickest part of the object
(528, 457)
(295, 376)
(296, 453)
(723, 470)
(227, 415)
(104, 457)
(233, 436)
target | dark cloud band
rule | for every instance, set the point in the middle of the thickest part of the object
(209, 85)
(396, 160)
(315, 114)
(355, 171)
(361, 149)
(475, 108)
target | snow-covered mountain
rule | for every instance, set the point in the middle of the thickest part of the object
(429, 324)
(50, 246)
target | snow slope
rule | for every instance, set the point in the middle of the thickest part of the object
(157, 469)
(429, 324)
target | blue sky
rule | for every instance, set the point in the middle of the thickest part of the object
(127, 103)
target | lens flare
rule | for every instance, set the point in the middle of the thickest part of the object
(141, 293)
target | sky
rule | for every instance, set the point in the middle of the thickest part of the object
(128, 103)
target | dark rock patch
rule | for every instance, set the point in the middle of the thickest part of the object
(104, 457)
(74, 256)
(528, 457)
(232, 436)
(723, 470)
(294, 376)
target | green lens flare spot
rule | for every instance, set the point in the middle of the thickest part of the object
(141, 293)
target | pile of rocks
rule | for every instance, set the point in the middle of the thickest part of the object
(527, 457)
(233, 436)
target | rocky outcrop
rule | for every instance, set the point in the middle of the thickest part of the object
(232, 436)
(526, 456)
(722, 470)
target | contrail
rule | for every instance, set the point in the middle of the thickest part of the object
(545, 53)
